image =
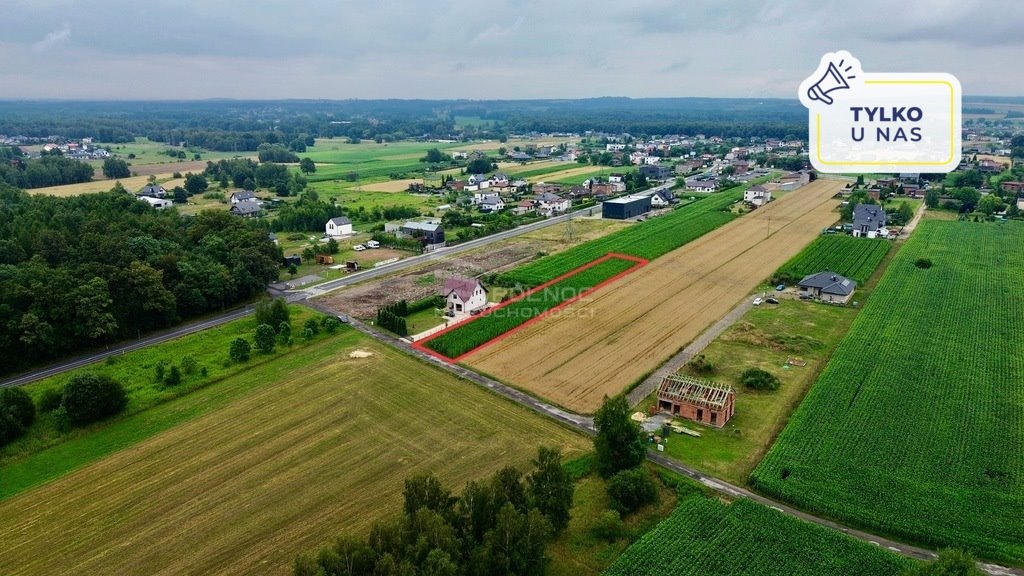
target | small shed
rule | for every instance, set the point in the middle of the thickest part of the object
(699, 400)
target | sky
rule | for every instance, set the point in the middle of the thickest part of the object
(487, 49)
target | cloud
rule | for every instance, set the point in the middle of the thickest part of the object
(55, 38)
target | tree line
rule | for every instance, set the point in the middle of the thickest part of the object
(81, 271)
(48, 170)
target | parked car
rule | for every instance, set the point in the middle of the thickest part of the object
(757, 301)
(372, 244)
(780, 287)
(771, 300)
(359, 247)
(806, 297)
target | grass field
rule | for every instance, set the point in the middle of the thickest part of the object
(46, 452)
(706, 536)
(132, 184)
(854, 258)
(766, 337)
(315, 446)
(613, 338)
(649, 239)
(916, 426)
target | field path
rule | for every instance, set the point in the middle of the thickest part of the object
(621, 334)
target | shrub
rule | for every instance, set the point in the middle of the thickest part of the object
(189, 365)
(757, 379)
(240, 350)
(173, 377)
(17, 412)
(284, 332)
(311, 325)
(701, 365)
(160, 371)
(923, 263)
(264, 338)
(330, 325)
(608, 526)
(631, 489)
(50, 400)
(92, 397)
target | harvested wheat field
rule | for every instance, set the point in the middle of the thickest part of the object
(611, 339)
(132, 184)
(392, 185)
(321, 447)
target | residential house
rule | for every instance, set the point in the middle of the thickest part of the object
(991, 166)
(655, 172)
(518, 156)
(481, 181)
(492, 204)
(432, 233)
(741, 166)
(246, 209)
(243, 196)
(579, 192)
(702, 184)
(545, 188)
(465, 295)
(1016, 187)
(663, 198)
(499, 179)
(828, 287)
(153, 191)
(481, 195)
(550, 204)
(157, 203)
(868, 220)
(523, 207)
(616, 177)
(1020, 203)
(757, 195)
(602, 190)
(340, 226)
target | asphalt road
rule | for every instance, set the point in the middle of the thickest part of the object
(422, 259)
(157, 338)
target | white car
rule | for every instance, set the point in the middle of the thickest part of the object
(359, 247)
(757, 301)
(373, 244)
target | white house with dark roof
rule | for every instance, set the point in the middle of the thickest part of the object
(868, 221)
(828, 287)
(243, 196)
(246, 209)
(757, 195)
(492, 204)
(464, 294)
(153, 191)
(340, 226)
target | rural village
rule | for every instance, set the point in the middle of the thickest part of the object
(435, 343)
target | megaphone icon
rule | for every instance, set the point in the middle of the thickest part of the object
(830, 81)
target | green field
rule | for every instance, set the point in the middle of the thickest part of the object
(46, 452)
(485, 328)
(766, 337)
(854, 258)
(705, 536)
(649, 239)
(916, 426)
(273, 461)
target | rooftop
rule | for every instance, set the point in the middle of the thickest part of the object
(626, 199)
(695, 391)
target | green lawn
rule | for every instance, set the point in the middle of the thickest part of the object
(423, 320)
(766, 337)
(136, 370)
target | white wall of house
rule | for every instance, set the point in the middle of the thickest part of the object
(477, 301)
(334, 230)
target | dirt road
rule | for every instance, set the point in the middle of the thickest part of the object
(618, 335)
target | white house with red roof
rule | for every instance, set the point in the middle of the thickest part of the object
(464, 294)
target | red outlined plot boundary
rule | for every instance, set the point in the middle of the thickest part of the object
(638, 263)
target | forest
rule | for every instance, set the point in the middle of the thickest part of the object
(49, 170)
(79, 272)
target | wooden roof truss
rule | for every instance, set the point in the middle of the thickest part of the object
(705, 393)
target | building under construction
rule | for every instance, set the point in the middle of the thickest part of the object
(698, 400)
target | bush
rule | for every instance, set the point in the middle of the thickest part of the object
(50, 400)
(608, 526)
(757, 379)
(17, 413)
(173, 377)
(312, 325)
(284, 332)
(272, 312)
(189, 365)
(923, 263)
(631, 489)
(701, 365)
(240, 350)
(93, 397)
(264, 338)
(330, 325)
